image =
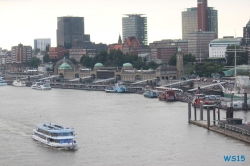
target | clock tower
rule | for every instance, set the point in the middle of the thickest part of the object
(179, 63)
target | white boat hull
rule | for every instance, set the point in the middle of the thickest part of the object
(41, 88)
(54, 144)
(19, 85)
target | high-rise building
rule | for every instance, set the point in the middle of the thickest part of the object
(202, 14)
(212, 20)
(135, 26)
(246, 34)
(189, 22)
(200, 18)
(68, 29)
(41, 44)
(21, 53)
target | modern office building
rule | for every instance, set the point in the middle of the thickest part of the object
(246, 34)
(202, 15)
(21, 53)
(41, 43)
(68, 29)
(212, 20)
(135, 26)
(189, 21)
(198, 43)
(218, 47)
(200, 18)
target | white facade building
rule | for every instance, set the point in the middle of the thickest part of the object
(218, 47)
(41, 43)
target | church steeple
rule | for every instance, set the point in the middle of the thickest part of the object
(120, 39)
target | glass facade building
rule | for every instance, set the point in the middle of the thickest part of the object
(189, 22)
(68, 29)
(246, 34)
(41, 44)
(212, 20)
(200, 18)
(135, 26)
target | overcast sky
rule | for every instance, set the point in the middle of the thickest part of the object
(22, 21)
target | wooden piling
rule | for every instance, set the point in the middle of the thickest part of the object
(208, 117)
(201, 110)
(189, 111)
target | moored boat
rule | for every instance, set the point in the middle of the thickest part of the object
(110, 89)
(151, 94)
(121, 88)
(41, 86)
(201, 97)
(19, 83)
(2, 82)
(171, 95)
(55, 136)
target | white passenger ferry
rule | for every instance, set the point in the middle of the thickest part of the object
(41, 86)
(55, 136)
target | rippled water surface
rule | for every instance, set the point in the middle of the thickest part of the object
(112, 129)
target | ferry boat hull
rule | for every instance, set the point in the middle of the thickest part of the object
(110, 89)
(41, 86)
(70, 146)
(55, 136)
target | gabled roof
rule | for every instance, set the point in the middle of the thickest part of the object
(130, 40)
(118, 47)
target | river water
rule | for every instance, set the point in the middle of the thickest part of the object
(112, 130)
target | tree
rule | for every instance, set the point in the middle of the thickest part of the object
(139, 64)
(86, 60)
(152, 65)
(73, 60)
(37, 50)
(47, 47)
(46, 58)
(189, 58)
(172, 60)
(241, 57)
(34, 62)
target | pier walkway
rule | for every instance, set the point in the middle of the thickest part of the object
(232, 127)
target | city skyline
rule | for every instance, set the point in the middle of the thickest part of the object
(22, 21)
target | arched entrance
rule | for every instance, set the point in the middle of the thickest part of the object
(183, 78)
(61, 75)
(118, 77)
(137, 78)
(93, 76)
(76, 75)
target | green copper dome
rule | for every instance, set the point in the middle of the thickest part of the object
(127, 65)
(65, 66)
(179, 49)
(98, 65)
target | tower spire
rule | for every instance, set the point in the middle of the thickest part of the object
(120, 39)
